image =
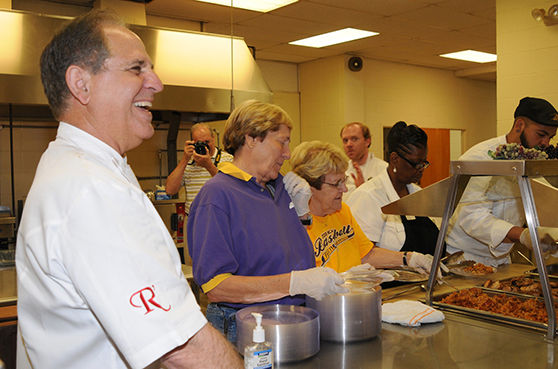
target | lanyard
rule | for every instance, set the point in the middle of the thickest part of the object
(217, 157)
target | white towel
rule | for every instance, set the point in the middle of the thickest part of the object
(410, 313)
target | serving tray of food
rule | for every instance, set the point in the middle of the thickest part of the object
(496, 306)
(522, 285)
(471, 269)
(458, 265)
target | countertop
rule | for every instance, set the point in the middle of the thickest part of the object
(8, 286)
(457, 342)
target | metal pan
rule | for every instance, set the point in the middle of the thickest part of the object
(294, 331)
(551, 269)
(489, 316)
(350, 317)
(406, 275)
(515, 293)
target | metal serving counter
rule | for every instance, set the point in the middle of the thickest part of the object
(457, 342)
(533, 189)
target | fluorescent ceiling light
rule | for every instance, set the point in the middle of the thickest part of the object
(472, 56)
(335, 37)
(255, 5)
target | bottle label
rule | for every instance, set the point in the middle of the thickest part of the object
(261, 360)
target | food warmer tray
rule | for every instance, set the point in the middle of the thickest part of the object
(488, 316)
(551, 269)
(512, 293)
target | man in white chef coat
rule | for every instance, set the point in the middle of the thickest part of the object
(99, 278)
(363, 165)
(490, 217)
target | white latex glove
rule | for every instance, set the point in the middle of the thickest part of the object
(423, 263)
(316, 282)
(548, 239)
(299, 191)
(360, 268)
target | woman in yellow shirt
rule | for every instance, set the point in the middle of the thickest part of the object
(338, 240)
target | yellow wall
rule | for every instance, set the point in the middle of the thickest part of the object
(28, 146)
(527, 54)
(383, 93)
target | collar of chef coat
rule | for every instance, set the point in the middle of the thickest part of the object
(390, 190)
(97, 148)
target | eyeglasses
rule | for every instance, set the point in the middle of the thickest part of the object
(417, 166)
(339, 183)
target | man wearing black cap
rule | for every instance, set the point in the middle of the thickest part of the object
(490, 217)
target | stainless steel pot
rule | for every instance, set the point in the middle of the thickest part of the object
(293, 330)
(349, 317)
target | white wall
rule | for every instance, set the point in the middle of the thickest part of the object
(527, 54)
(383, 93)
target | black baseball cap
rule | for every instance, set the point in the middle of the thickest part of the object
(538, 110)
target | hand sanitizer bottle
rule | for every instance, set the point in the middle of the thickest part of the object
(258, 355)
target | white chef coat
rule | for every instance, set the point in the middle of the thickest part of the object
(385, 230)
(372, 168)
(100, 283)
(489, 208)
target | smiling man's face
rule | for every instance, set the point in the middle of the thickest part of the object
(123, 91)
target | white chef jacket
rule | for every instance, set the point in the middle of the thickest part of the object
(489, 208)
(385, 230)
(372, 168)
(99, 278)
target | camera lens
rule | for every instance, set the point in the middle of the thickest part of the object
(201, 147)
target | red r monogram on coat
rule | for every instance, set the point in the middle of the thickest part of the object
(146, 298)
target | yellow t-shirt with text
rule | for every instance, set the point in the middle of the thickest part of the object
(338, 241)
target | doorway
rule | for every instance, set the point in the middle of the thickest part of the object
(444, 145)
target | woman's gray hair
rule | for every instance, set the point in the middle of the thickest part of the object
(313, 160)
(255, 119)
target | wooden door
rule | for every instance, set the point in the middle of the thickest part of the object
(438, 156)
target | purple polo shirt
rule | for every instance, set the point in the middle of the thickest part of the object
(236, 227)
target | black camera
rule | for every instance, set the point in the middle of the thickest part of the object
(200, 147)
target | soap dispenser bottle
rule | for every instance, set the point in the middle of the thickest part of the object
(259, 354)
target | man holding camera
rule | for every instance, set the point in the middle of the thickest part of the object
(198, 164)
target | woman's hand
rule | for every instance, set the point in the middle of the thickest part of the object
(316, 282)
(423, 263)
(299, 191)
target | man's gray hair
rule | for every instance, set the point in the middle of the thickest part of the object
(198, 126)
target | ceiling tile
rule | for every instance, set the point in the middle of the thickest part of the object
(266, 55)
(437, 16)
(273, 22)
(460, 40)
(400, 27)
(320, 13)
(382, 7)
(315, 53)
(469, 6)
(411, 31)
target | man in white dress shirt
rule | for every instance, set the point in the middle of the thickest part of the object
(363, 165)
